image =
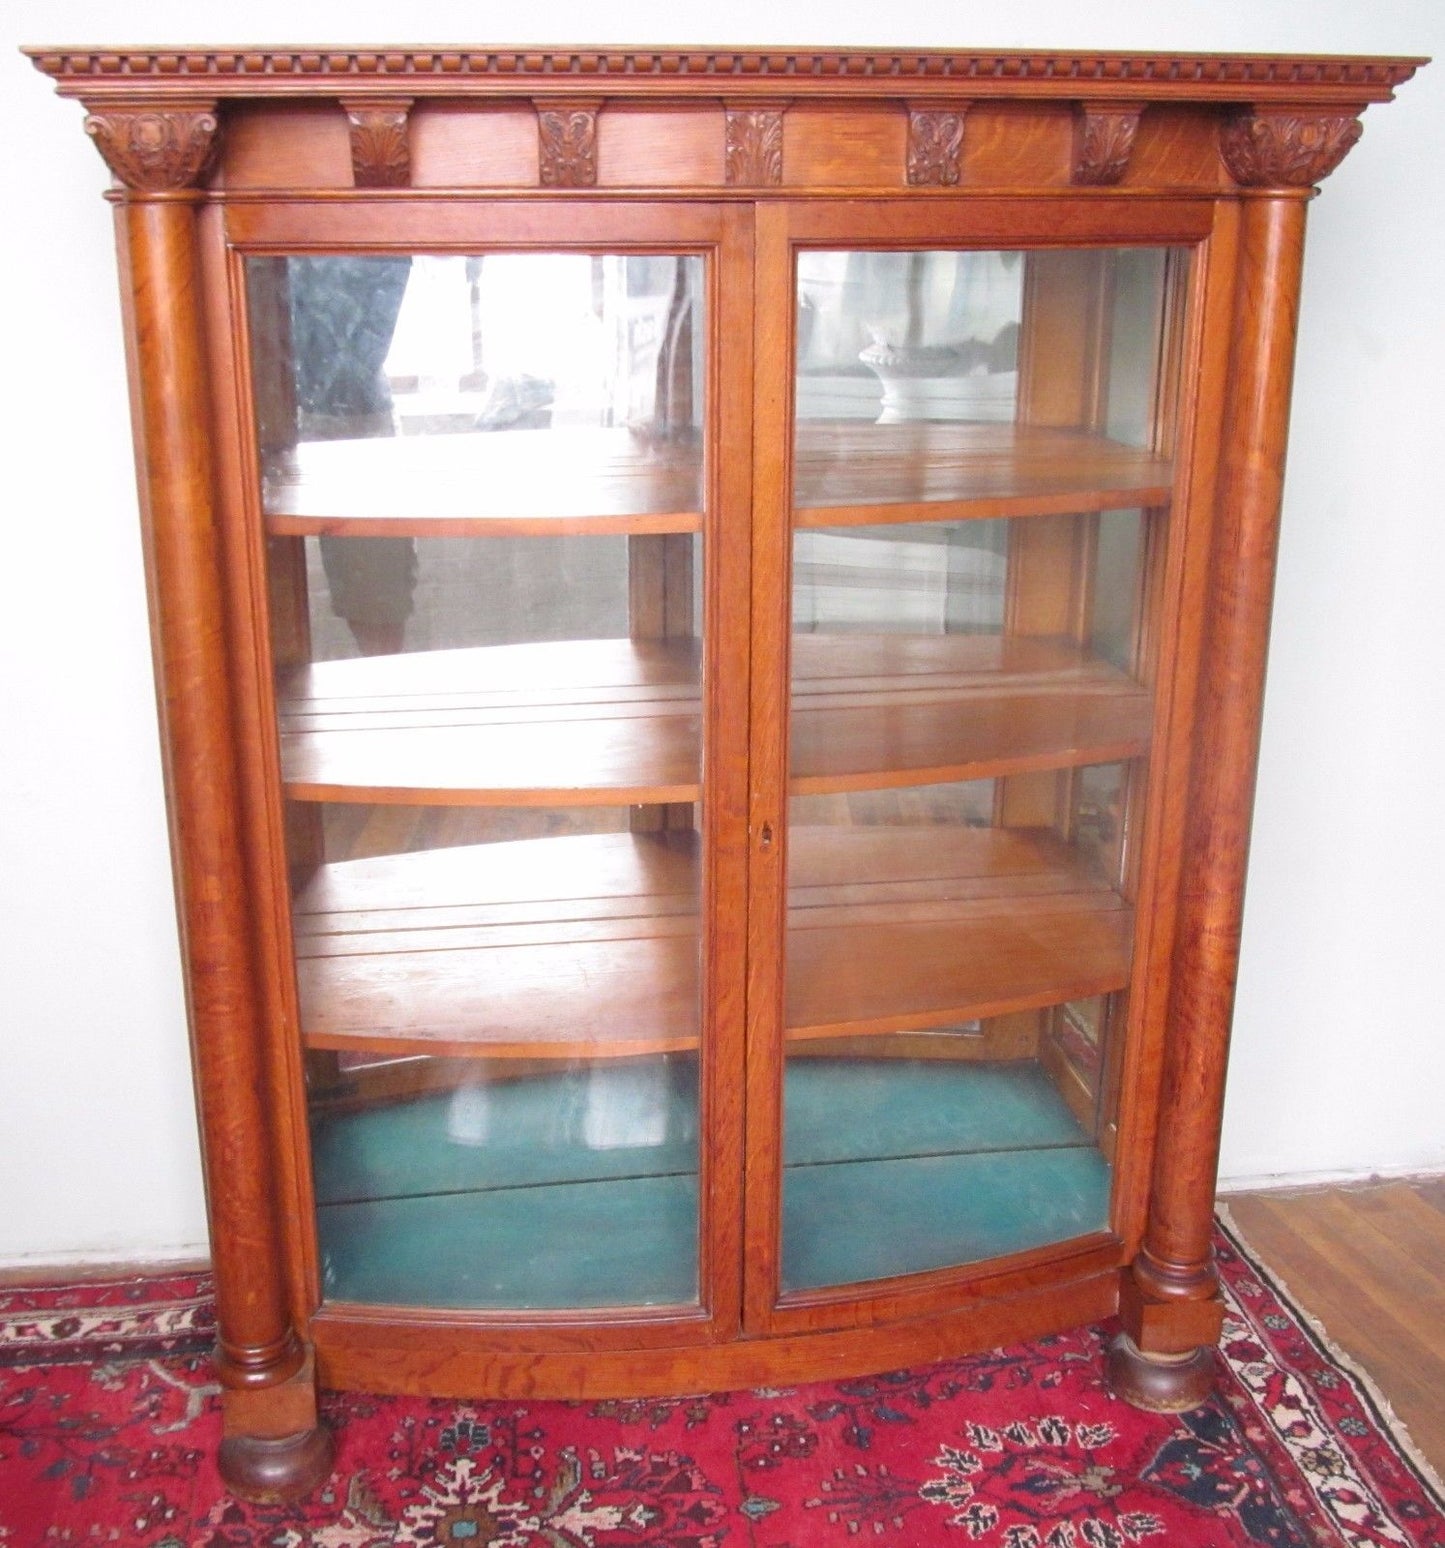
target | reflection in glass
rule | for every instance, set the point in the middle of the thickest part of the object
(981, 479)
(940, 1107)
(502, 1084)
(481, 482)
(908, 578)
(508, 388)
(495, 1184)
(904, 336)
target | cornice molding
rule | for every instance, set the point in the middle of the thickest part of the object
(94, 73)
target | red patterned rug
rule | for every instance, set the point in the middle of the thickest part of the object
(108, 1426)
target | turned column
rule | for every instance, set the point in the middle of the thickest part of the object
(273, 1445)
(1170, 1305)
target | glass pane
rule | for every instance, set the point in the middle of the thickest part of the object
(544, 386)
(487, 633)
(1013, 382)
(981, 488)
(498, 1184)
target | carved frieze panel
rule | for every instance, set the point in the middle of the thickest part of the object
(754, 147)
(380, 143)
(935, 146)
(1104, 140)
(1285, 148)
(567, 144)
(156, 150)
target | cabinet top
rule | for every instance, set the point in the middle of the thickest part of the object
(100, 74)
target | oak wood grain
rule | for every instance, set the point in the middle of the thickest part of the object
(1175, 1263)
(588, 947)
(852, 473)
(531, 482)
(617, 722)
(499, 482)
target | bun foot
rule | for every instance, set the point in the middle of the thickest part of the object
(269, 1471)
(1159, 1383)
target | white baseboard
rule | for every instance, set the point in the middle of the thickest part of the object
(104, 1262)
(1274, 1182)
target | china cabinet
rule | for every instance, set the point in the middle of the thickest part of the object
(710, 613)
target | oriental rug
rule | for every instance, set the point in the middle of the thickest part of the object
(109, 1422)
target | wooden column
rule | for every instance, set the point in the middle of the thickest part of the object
(1170, 1305)
(273, 1445)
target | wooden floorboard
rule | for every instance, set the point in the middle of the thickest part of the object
(1369, 1263)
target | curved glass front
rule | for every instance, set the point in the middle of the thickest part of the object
(981, 483)
(481, 482)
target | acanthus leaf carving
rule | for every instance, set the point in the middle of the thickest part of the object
(935, 146)
(1104, 141)
(567, 144)
(754, 154)
(380, 143)
(154, 149)
(1286, 148)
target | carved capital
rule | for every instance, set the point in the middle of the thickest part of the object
(567, 144)
(754, 147)
(935, 146)
(1104, 140)
(380, 143)
(1285, 147)
(156, 150)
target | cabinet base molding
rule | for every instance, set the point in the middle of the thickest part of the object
(425, 1358)
(1160, 1383)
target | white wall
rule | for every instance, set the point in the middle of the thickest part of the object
(1339, 1059)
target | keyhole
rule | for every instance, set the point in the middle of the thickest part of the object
(765, 837)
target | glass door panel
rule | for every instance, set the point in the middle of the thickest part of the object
(981, 481)
(482, 494)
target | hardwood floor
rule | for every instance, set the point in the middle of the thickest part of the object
(1369, 1263)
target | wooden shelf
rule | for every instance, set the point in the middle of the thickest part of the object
(872, 711)
(896, 929)
(857, 473)
(492, 482)
(848, 473)
(595, 722)
(589, 947)
(617, 721)
(550, 948)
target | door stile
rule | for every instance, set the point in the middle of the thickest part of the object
(772, 450)
(727, 674)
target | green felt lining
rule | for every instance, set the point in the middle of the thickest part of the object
(579, 1188)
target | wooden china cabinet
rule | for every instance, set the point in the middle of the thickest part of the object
(710, 613)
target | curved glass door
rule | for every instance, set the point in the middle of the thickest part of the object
(981, 481)
(482, 489)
